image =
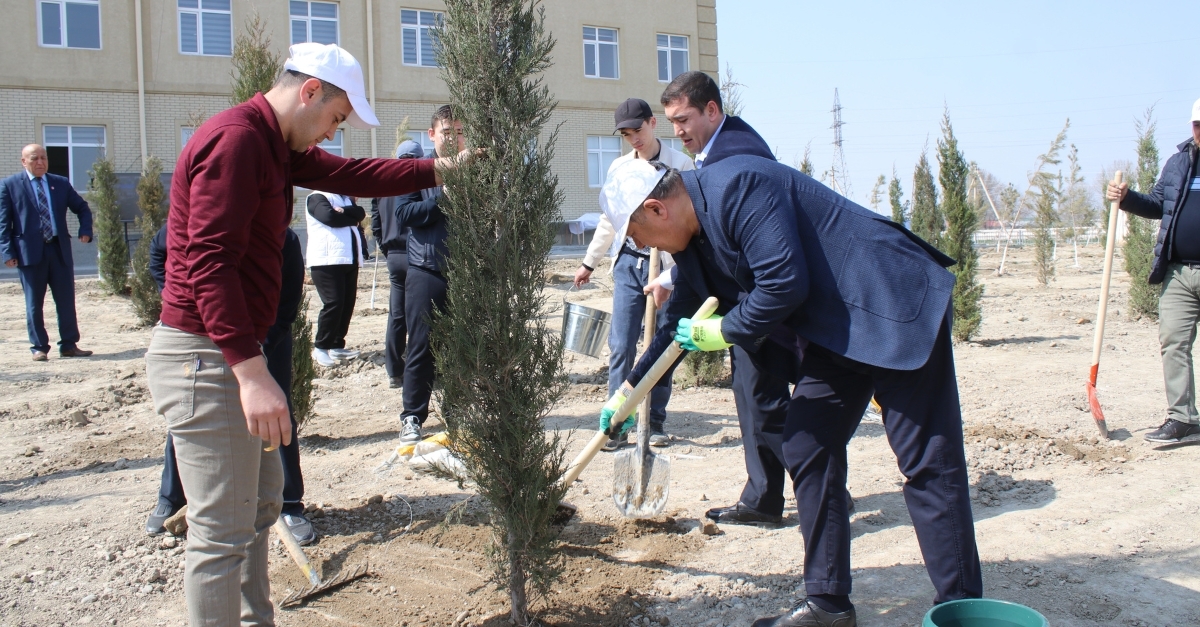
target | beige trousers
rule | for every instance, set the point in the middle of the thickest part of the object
(234, 489)
(1178, 313)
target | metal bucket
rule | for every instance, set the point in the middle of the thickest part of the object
(584, 330)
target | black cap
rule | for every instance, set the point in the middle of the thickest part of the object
(631, 113)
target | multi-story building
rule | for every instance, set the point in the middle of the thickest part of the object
(130, 78)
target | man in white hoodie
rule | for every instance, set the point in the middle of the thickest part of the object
(631, 268)
(334, 255)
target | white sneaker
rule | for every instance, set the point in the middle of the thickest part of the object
(410, 431)
(323, 358)
(342, 353)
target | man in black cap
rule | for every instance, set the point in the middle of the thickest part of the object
(631, 268)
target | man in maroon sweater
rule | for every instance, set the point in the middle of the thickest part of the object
(231, 202)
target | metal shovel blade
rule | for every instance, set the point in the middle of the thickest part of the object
(641, 482)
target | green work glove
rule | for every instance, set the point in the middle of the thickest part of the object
(701, 335)
(610, 408)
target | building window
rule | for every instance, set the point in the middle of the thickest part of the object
(314, 21)
(600, 53)
(422, 138)
(333, 146)
(70, 24)
(602, 150)
(72, 150)
(205, 27)
(185, 133)
(672, 57)
(673, 142)
(417, 39)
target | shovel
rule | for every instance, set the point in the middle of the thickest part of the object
(660, 367)
(1098, 344)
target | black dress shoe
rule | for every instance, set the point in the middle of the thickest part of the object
(809, 615)
(74, 352)
(162, 511)
(740, 514)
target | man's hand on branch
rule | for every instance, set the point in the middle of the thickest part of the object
(461, 159)
(263, 402)
(583, 276)
(1117, 192)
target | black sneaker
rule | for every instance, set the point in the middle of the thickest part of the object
(1173, 431)
(807, 614)
(302, 530)
(395, 383)
(162, 511)
(614, 444)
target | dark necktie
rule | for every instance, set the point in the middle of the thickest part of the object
(43, 209)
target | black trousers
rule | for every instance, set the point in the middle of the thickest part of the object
(923, 421)
(424, 290)
(338, 288)
(762, 405)
(278, 352)
(397, 329)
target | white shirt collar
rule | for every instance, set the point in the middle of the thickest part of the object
(703, 154)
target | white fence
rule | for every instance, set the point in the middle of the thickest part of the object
(987, 238)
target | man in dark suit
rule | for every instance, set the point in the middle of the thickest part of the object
(35, 240)
(392, 236)
(693, 105)
(846, 304)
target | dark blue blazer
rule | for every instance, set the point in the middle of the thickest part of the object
(21, 227)
(737, 138)
(811, 264)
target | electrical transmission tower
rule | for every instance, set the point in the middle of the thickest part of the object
(838, 177)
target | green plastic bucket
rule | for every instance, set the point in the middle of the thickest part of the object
(983, 613)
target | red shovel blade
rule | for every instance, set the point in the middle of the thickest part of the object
(1094, 403)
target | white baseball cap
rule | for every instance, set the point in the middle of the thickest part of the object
(334, 65)
(627, 187)
(1196, 112)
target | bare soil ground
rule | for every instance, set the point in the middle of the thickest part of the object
(1087, 532)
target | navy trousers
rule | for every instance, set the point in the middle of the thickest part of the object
(424, 290)
(395, 337)
(278, 352)
(630, 274)
(922, 418)
(54, 272)
(762, 406)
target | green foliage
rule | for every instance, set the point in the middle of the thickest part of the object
(702, 368)
(961, 222)
(255, 65)
(113, 259)
(926, 216)
(877, 192)
(303, 368)
(152, 198)
(1044, 193)
(806, 165)
(499, 364)
(896, 198)
(1139, 239)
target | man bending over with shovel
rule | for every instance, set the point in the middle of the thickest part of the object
(848, 305)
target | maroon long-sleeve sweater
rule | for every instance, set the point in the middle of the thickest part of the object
(231, 202)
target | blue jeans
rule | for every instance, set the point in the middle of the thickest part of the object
(629, 309)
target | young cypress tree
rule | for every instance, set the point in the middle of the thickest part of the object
(499, 365)
(113, 259)
(1045, 190)
(961, 223)
(896, 198)
(303, 368)
(806, 165)
(143, 291)
(877, 192)
(255, 65)
(927, 220)
(1139, 240)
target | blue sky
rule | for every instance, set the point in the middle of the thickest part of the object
(1011, 74)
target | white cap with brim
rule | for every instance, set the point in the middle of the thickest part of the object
(626, 189)
(334, 65)
(1196, 112)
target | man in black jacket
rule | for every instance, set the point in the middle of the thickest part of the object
(278, 351)
(424, 287)
(392, 236)
(1175, 200)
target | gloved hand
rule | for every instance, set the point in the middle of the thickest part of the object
(701, 335)
(610, 408)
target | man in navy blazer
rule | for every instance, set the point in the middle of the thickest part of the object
(693, 105)
(850, 305)
(35, 240)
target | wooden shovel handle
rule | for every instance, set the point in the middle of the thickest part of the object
(660, 367)
(1109, 248)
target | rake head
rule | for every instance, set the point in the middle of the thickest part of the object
(343, 578)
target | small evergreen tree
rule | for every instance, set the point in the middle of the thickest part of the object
(152, 196)
(499, 365)
(1076, 209)
(303, 368)
(255, 65)
(1139, 239)
(926, 216)
(113, 261)
(731, 94)
(877, 193)
(1044, 193)
(896, 198)
(961, 222)
(806, 165)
